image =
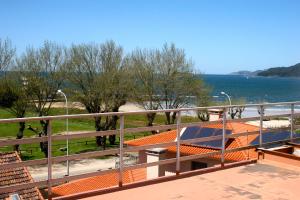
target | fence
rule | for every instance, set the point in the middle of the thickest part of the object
(121, 150)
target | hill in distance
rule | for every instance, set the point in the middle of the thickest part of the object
(292, 71)
(246, 73)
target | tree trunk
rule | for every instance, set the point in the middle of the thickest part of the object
(150, 119)
(112, 138)
(20, 134)
(44, 145)
(99, 139)
(174, 114)
(168, 116)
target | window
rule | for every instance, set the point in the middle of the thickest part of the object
(198, 165)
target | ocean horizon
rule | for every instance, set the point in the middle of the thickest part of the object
(253, 89)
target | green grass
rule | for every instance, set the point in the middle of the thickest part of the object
(32, 151)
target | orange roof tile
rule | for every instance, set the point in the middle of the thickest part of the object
(99, 182)
(169, 136)
(153, 139)
(14, 176)
(186, 150)
(111, 179)
(235, 127)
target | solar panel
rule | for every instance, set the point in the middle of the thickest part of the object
(272, 137)
(201, 132)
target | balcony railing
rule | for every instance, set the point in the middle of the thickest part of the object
(50, 160)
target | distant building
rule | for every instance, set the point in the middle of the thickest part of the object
(215, 114)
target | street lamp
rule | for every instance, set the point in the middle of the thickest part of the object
(224, 93)
(67, 128)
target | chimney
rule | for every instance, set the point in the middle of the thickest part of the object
(154, 155)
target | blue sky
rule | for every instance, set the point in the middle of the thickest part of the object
(220, 36)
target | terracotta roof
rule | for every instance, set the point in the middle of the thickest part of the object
(235, 127)
(99, 182)
(111, 179)
(187, 150)
(16, 176)
(168, 136)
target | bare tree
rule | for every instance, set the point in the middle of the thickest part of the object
(12, 92)
(42, 69)
(13, 98)
(236, 111)
(178, 82)
(165, 79)
(7, 53)
(99, 76)
(144, 66)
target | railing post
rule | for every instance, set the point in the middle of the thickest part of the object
(223, 136)
(121, 151)
(49, 134)
(261, 119)
(292, 121)
(178, 143)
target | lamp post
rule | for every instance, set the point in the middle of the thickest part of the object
(67, 128)
(224, 93)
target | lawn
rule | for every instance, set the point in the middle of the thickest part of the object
(32, 151)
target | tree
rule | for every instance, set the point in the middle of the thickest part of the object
(145, 74)
(13, 97)
(204, 101)
(165, 79)
(179, 86)
(12, 94)
(7, 53)
(99, 74)
(43, 71)
(236, 111)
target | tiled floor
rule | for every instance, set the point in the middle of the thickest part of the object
(264, 180)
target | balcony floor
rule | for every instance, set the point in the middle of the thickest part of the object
(264, 180)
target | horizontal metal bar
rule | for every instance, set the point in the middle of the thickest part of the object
(242, 134)
(297, 126)
(150, 146)
(23, 164)
(243, 119)
(85, 155)
(81, 176)
(199, 123)
(58, 159)
(8, 142)
(84, 134)
(161, 162)
(277, 116)
(203, 155)
(149, 128)
(75, 116)
(274, 130)
(17, 187)
(239, 149)
(202, 139)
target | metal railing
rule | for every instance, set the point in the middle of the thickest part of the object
(122, 149)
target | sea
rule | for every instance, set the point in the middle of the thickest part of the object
(255, 89)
